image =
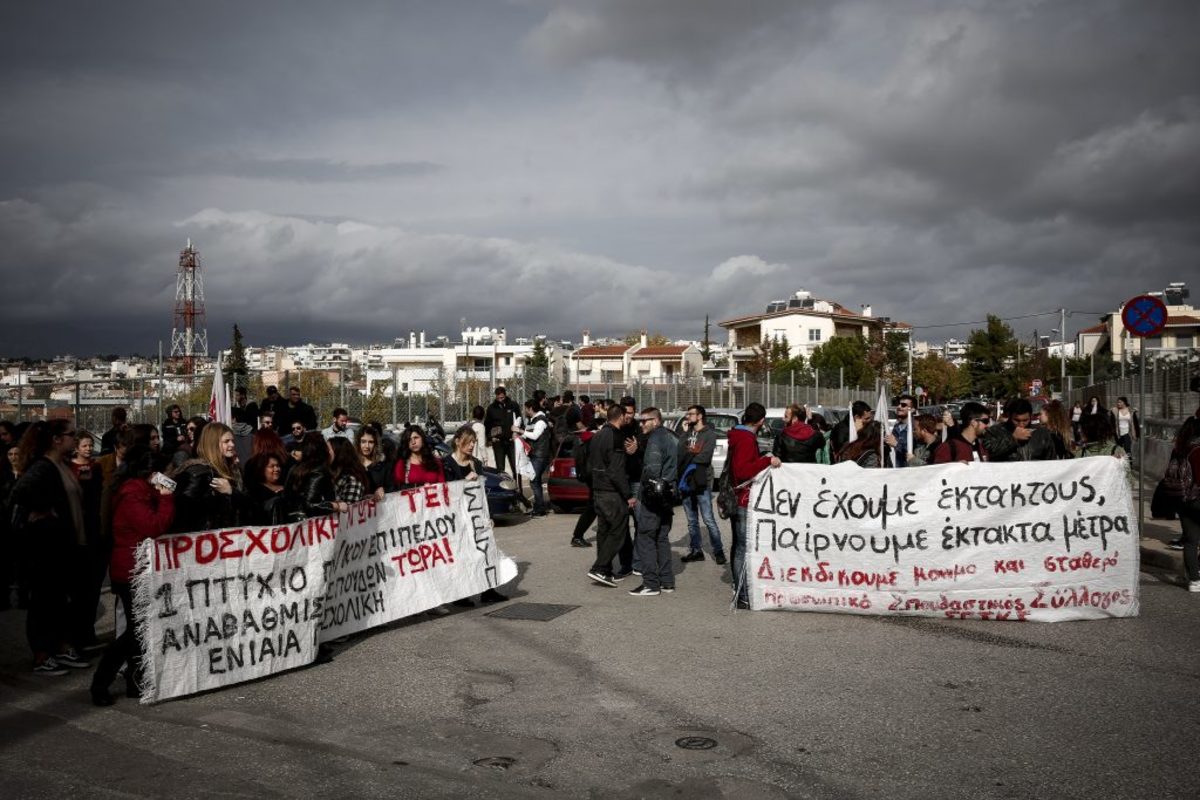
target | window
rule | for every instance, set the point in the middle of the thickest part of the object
(507, 361)
(814, 334)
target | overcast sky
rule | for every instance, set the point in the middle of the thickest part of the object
(351, 171)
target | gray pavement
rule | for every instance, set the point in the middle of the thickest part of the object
(594, 702)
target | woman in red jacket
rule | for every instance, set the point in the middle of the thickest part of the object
(418, 464)
(141, 511)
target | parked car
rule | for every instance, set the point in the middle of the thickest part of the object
(722, 422)
(566, 491)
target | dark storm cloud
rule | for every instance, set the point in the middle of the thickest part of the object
(358, 171)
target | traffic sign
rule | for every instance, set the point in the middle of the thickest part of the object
(1144, 316)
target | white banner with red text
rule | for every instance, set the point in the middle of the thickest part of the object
(1045, 541)
(216, 608)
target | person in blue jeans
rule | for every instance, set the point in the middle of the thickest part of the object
(696, 446)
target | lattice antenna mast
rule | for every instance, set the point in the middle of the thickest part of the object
(189, 336)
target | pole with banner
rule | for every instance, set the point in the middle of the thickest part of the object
(1142, 316)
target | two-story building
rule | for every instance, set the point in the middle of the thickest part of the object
(805, 321)
(602, 365)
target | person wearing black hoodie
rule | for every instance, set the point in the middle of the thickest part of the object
(798, 442)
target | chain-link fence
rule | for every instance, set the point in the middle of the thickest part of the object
(397, 396)
(1170, 389)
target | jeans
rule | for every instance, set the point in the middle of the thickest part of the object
(654, 546)
(539, 471)
(696, 507)
(738, 523)
(629, 556)
(613, 531)
(1189, 521)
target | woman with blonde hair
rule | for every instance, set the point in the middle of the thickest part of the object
(209, 492)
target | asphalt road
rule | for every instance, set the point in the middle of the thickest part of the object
(596, 703)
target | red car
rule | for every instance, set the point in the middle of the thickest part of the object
(566, 490)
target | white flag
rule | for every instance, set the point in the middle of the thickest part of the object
(881, 408)
(218, 400)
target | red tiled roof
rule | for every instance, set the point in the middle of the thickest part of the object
(1183, 320)
(602, 351)
(661, 351)
(1101, 328)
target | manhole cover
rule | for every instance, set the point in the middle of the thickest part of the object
(696, 743)
(538, 612)
(495, 762)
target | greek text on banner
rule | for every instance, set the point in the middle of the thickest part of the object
(1046, 541)
(216, 608)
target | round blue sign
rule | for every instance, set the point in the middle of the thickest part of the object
(1144, 316)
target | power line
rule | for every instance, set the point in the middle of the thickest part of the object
(984, 321)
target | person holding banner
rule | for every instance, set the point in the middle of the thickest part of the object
(350, 480)
(142, 510)
(905, 405)
(417, 465)
(744, 462)
(310, 483)
(848, 430)
(209, 490)
(864, 450)
(462, 465)
(965, 443)
(925, 437)
(371, 455)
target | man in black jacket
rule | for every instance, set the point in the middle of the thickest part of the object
(300, 411)
(276, 406)
(611, 495)
(498, 420)
(1014, 440)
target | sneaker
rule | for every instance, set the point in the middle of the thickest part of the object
(577, 542)
(743, 605)
(1175, 544)
(644, 591)
(623, 574)
(695, 555)
(718, 559)
(49, 667)
(1194, 586)
(69, 658)
(667, 589)
(602, 579)
(637, 572)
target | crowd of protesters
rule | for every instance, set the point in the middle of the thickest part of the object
(75, 513)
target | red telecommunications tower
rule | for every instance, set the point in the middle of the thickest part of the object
(189, 337)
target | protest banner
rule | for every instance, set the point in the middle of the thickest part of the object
(1044, 541)
(216, 608)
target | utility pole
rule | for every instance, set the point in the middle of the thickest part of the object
(1062, 352)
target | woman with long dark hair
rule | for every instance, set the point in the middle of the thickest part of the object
(350, 480)
(265, 484)
(371, 457)
(1125, 424)
(210, 493)
(417, 465)
(48, 514)
(864, 450)
(310, 483)
(141, 511)
(1187, 447)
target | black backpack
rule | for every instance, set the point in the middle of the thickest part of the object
(582, 453)
(727, 502)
